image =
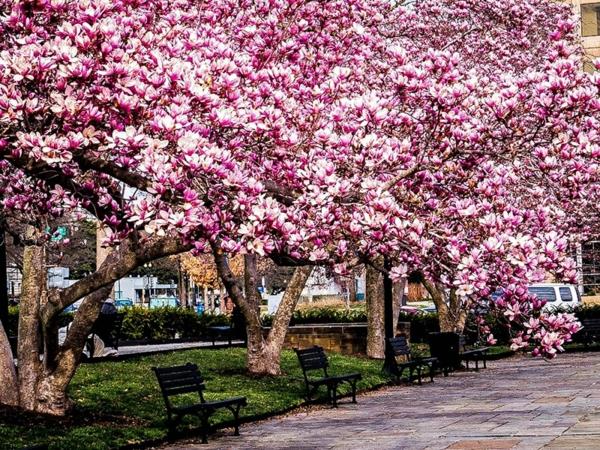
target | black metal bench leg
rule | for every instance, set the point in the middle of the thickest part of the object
(419, 374)
(205, 425)
(235, 410)
(353, 384)
(484, 361)
(172, 423)
(431, 370)
(334, 396)
(477, 365)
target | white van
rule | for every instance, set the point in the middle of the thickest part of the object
(556, 294)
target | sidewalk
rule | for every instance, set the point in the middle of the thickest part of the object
(519, 403)
(127, 350)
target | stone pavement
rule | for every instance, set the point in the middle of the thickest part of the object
(519, 403)
(158, 348)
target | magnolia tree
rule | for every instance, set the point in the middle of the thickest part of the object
(169, 122)
(463, 165)
(520, 160)
(314, 133)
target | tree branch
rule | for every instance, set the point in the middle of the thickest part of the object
(119, 263)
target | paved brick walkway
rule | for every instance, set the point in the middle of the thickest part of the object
(520, 403)
(155, 348)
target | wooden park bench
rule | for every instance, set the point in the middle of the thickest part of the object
(468, 354)
(314, 358)
(174, 381)
(399, 347)
(590, 331)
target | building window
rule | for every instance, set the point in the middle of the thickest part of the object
(590, 19)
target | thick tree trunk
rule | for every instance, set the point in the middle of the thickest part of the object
(263, 354)
(29, 339)
(452, 316)
(281, 321)
(9, 394)
(41, 384)
(375, 313)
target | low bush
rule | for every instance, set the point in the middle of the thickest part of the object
(319, 315)
(167, 323)
(155, 324)
(13, 320)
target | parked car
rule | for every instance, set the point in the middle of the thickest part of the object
(161, 302)
(429, 309)
(556, 294)
(121, 303)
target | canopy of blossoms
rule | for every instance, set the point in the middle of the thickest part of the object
(449, 136)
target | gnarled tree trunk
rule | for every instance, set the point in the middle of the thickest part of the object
(40, 384)
(452, 314)
(375, 313)
(264, 353)
(30, 330)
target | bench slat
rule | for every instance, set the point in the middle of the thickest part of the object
(182, 380)
(175, 369)
(182, 390)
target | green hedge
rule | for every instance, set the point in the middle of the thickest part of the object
(13, 320)
(148, 324)
(421, 324)
(167, 323)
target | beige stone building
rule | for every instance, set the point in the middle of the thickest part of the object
(589, 11)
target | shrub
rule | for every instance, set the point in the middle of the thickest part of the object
(327, 314)
(148, 324)
(167, 323)
(13, 320)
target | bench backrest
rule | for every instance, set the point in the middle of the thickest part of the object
(399, 346)
(312, 358)
(179, 380)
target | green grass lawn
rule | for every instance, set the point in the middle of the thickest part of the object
(119, 403)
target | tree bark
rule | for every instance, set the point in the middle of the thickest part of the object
(9, 394)
(29, 339)
(452, 315)
(264, 353)
(398, 295)
(375, 313)
(51, 396)
(41, 384)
